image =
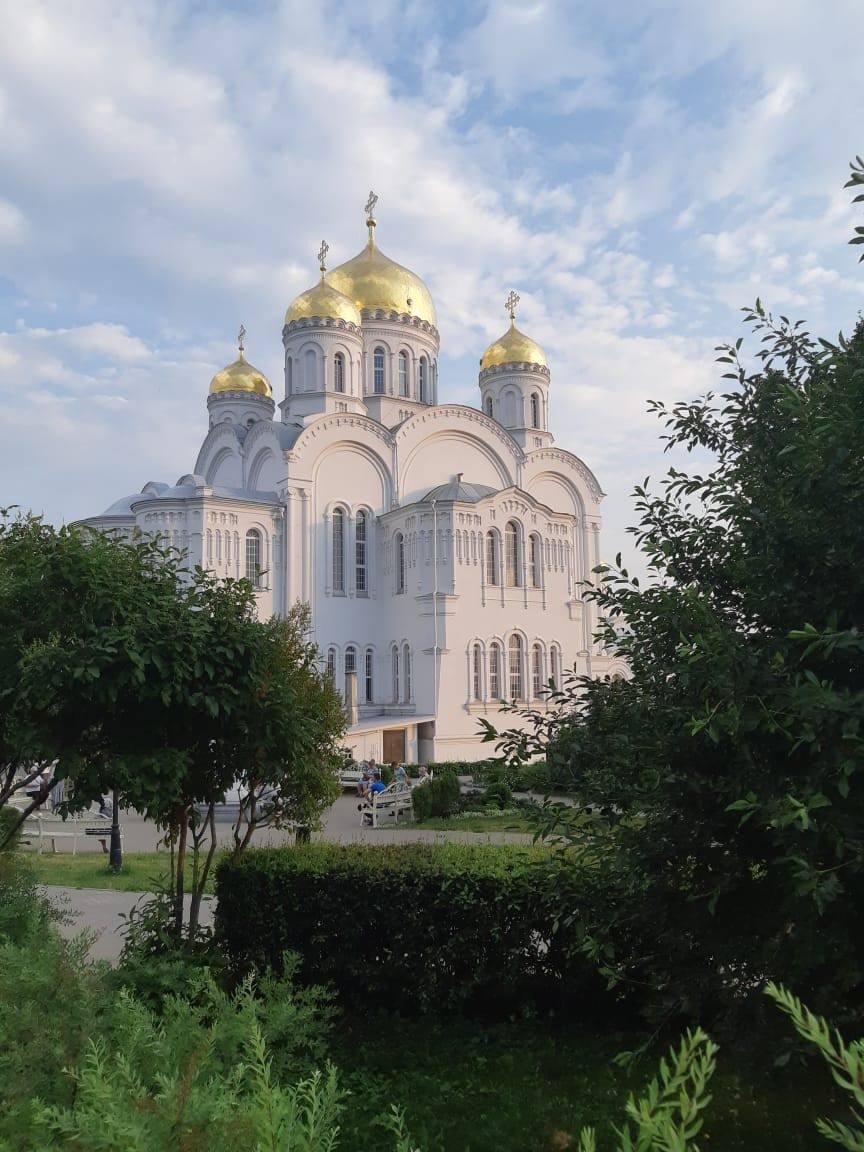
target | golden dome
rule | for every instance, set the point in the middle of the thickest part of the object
(373, 280)
(514, 347)
(241, 376)
(325, 302)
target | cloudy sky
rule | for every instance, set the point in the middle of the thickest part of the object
(636, 170)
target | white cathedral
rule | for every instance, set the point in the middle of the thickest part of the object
(440, 546)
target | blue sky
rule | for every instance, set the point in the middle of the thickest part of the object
(638, 171)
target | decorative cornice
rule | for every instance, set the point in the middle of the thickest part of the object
(241, 395)
(338, 420)
(509, 369)
(461, 412)
(305, 322)
(405, 318)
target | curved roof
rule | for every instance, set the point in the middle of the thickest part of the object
(372, 280)
(459, 490)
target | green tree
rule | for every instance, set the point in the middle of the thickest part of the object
(722, 787)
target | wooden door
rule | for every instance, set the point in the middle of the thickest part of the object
(394, 745)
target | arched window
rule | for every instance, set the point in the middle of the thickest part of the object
(488, 405)
(495, 670)
(331, 665)
(424, 380)
(395, 674)
(339, 372)
(535, 410)
(400, 563)
(253, 557)
(555, 666)
(210, 545)
(492, 576)
(536, 671)
(369, 670)
(406, 674)
(350, 665)
(378, 371)
(536, 562)
(310, 371)
(338, 551)
(515, 663)
(360, 535)
(476, 673)
(218, 546)
(403, 373)
(512, 566)
(289, 375)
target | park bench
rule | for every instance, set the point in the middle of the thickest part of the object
(393, 801)
(350, 777)
(40, 828)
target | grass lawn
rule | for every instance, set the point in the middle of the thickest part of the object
(491, 822)
(142, 871)
(509, 1087)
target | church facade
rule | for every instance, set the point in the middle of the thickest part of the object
(440, 546)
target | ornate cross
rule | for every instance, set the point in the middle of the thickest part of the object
(510, 304)
(241, 336)
(322, 255)
(370, 204)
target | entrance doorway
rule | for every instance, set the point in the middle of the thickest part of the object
(394, 745)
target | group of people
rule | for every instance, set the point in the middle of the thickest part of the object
(372, 781)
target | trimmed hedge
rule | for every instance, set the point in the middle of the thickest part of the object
(436, 797)
(412, 927)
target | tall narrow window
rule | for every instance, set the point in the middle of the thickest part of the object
(338, 551)
(495, 670)
(339, 372)
(403, 373)
(395, 674)
(400, 563)
(369, 669)
(536, 562)
(511, 553)
(516, 691)
(289, 375)
(378, 371)
(488, 405)
(476, 673)
(555, 666)
(535, 410)
(331, 665)
(536, 671)
(310, 371)
(406, 673)
(360, 532)
(491, 557)
(350, 665)
(253, 557)
(424, 380)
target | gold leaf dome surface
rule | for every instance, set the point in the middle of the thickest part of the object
(241, 376)
(514, 347)
(373, 280)
(323, 301)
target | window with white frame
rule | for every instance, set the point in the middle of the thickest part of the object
(488, 405)
(378, 371)
(331, 665)
(399, 545)
(369, 669)
(403, 373)
(253, 557)
(338, 551)
(289, 375)
(511, 554)
(515, 667)
(395, 662)
(555, 666)
(495, 670)
(339, 372)
(360, 554)
(536, 562)
(350, 665)
(476, 672)
(536, 671)
(535, 410)
(424, 380)
(492, 565)
(406, 673)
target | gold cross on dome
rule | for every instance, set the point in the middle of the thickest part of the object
(370, 204)
(510, 304)
(241, 336)
(322, 255)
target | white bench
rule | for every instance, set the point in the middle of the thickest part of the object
(43, 827)
(392, 801)
(350, 777)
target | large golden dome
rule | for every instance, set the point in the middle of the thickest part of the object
(372, 280)
(241, 376)
(324, 302)
(514, 347)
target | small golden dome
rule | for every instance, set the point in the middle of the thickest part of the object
(372, 280)
(241, 376)
(514, 347)
(324, 302)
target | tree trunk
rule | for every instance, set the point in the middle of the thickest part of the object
(201, 880)
(182, 834)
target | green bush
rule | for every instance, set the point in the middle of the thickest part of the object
(410, 927)
(437, 797)
(497, 795)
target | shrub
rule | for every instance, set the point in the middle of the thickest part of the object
(497, 795)
(410, 927)
(438, 797)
